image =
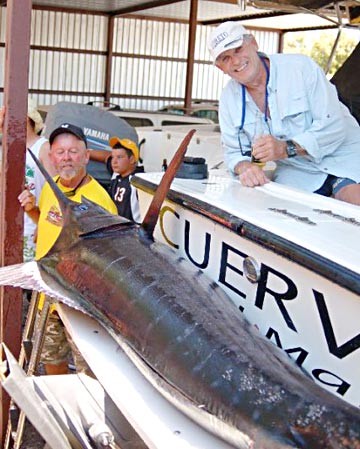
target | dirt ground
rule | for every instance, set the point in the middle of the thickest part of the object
(31, 440)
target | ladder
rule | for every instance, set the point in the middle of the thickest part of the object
(31, 346)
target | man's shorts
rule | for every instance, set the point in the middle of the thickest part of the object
(58, 345)
(56, 348)
(333, 184)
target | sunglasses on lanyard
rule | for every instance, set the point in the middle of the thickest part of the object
(241, 132)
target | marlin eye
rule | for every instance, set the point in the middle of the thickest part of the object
(82, 207)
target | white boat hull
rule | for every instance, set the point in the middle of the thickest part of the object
(305, 301)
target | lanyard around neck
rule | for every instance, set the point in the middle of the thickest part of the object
(243, 89)
(71, 192)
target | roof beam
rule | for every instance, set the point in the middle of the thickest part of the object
(260, 15)
(143, 6)
(191, 51)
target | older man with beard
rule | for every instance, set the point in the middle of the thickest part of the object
(69, 156)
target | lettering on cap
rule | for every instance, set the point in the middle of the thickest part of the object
(216, 41)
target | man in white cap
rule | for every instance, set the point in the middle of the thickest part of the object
(311, 135)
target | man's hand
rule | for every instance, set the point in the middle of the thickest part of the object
(251, 175)
(27, 200)
(268, 148)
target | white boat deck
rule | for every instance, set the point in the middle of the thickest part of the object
(324, 226)
(159, 424)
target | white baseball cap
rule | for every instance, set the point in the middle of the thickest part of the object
(226, 36)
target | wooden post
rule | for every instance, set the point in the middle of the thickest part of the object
(109, 59)
(18, 19)
(191, 50)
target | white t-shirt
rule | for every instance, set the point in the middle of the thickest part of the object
(34, 181)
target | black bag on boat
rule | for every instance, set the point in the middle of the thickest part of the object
(193, 168)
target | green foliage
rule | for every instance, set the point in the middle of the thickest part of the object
(318, 45)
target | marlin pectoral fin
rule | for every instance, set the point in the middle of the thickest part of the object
(28, 276)
(151, 217)
(24, 275)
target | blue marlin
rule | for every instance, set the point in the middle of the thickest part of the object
(183, 332)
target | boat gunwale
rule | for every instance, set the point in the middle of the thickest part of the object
(308, 259)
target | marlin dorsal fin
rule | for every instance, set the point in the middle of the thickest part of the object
(151, 217)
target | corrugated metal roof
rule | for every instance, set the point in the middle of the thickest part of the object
(105, 6)
(267, 13)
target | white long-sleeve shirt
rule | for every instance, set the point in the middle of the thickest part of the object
(304, 107)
